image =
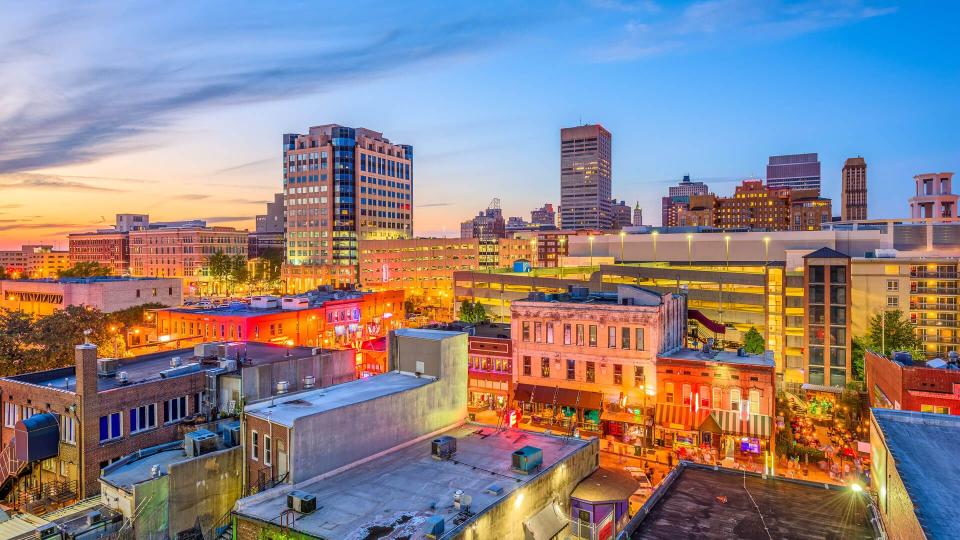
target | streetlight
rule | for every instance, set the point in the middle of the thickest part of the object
(766, 250)
(591, 250)
(689, 250)
(726, 240)
(562, 253)
(622, 235)
(655, 233)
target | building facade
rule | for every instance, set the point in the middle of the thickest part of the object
(808, 210)
(794, 171)
(342, 185)
(622, 214)
(588, 361)
(34, 261)
(899, 384)
(678, 200)
(826, 318)
(109, 248)
(934, 197)
(107, 293)
(183, 252)
(544, 216)
(585, 178)
(853, 190)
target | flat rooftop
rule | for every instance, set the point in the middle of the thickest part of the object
(395, 494)
(137, 470)
(147, 367)
(722, 357)
(925, 447)
(88, 280)
(285, 410)
(704, 503)
(242, 309)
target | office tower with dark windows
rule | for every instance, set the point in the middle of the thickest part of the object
(853, 190)
(794, 171)
(585, 178)
(341, 185)
(677, 201)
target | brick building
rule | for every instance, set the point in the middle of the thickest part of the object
(490, 364)
(34, 261)
(109, 248)
(900, 384)
(105, 293)
(756, 206)
(183, 252)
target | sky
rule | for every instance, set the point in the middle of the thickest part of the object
(177, 109)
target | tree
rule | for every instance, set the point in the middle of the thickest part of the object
(472, 312)
(858, 349)
(890, 331)
(219, 266)
(753, 342)
(239, 273)
(57, 334)
(17, 352)
(86, 269)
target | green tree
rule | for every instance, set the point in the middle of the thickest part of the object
(219, 266)
(858, 349)
(472, 312)
(890, 331)
(17, 352)
(3, 273)
(56, 335)
(86, 269)
(753, 342)
(239, 273)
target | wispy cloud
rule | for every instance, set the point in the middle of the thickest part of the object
(118, 83)
(226, 219)
(208, 196)
(6, 226)
(265, 162)
(41, 181)
(434, 205)
(714, 23)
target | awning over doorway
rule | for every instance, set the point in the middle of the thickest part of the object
(680, 416)
(563, 397)
(755, 425)
(545, 524)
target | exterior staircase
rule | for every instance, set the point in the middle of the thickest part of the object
(10, 466)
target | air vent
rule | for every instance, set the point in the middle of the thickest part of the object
(107, 367)
(283, 387)
(301, 501)
(443, 447)
(527, 460)
(122, 377)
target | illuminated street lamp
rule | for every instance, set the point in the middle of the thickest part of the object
(726, 240)
(591, 250)
(689, 250)
(622, 235)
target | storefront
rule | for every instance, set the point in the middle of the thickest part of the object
(630, 426)
(743, 435)
(564, 408)
(730, 432)
(677, 426)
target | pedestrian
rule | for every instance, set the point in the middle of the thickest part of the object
(670, 459)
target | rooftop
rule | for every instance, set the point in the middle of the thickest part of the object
(696, 501)
(924, 447)
(89, 280)
(242, 309)
(286, 410)
(136, 468)
(396, 493)
(147, 367)
(721, 357)
(605, 485)
(483, 329)
(626, 295)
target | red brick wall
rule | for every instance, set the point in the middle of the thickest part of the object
(257, 470)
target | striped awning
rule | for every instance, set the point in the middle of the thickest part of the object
(680, 416)
(753, 425)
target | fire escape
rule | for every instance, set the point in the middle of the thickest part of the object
(16, 462)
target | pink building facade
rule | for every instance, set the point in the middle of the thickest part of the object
(588, 361)
(934, 197)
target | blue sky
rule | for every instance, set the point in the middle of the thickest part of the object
(178, 109)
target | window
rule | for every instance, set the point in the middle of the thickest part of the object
(10, 414)
(143, 418)
(893, 285)
(571, 370)
(526, 365)
(110, 427)
(593, 335)
(545, 367)
(591, 372)
(525, 330)
(893, 301)
(255, 446)
(754, 401)
(612, 337)
(838, 274)
(638, 379)
(685, 392)
(639, 343)
(717, 398)
(549, 332)
(704, 394)
(68, 429)
(625, 338)
(668, 392)
(174, 409)
(538, 331)
(567, 337)
(580, 335)
(267, 451)
(934, 409)
(734, 399)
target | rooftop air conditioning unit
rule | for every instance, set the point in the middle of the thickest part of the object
(176, 362)
(122, 377)
(294, 303)
(205, 350)
(264, 302)
(199, 442)
(231, 435)
(107, 367)
(232, 350)
(526, 460)
(443, 447)
(301, 501)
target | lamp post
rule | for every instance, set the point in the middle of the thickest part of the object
(591, 250)
(726, 240)
(766, 250)
(562, 253)
(655, 233)
(689, 250)
(622, 235)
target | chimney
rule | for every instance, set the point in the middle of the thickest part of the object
(86, 361)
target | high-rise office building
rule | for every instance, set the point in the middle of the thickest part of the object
(342, 185)
(544, 216)
(853, 190)
(585, 178)
(621, 214)
(268, 235)
(794, 171)
(678, 201)
(637, 215)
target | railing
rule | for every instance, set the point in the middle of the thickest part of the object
(49, 496)
(265, 483)
(925, 305)
(9, 464)
(934, 275)
(935, 290)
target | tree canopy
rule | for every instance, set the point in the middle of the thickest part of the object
(472, 312)
(753, 341)
(890, 331)
(86, 269)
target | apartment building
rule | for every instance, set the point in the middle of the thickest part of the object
(545, 216)
(105, 293)
(586, 178)
(342, 185)
(183, 252)
(827, 308)
(588, 360)
(934, 197)
(34, 261)
(853, 190)
(108, 248)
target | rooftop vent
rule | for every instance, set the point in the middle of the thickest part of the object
(443, 447)
(155, 471)
(199, 442)
(181, 370)
(122, 377)
(527, 459)
(176, 362)
(741, 352)
(309, 381)
(93, 518)
(301, 501)
(283, 387)
(107, 367)
(494, 489)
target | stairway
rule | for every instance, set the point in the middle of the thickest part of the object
(10, 466)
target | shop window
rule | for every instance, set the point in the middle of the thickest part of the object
(526, 365)
(617, 374)
(545, 367)
(567, 334)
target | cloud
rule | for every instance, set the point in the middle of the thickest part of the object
(10, 206)
(119, 83)
(41, 181)
(715, 23)
(272, 161)
(34, 226)
(434, 205)
(207, 196)
(226, 219)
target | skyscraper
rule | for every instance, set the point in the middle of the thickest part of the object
(341, 185)
(794, 171)
(585, 178)
(679, 199)
(853, 190)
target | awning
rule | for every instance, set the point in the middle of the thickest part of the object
(810, 387)
(564, 397)
(755, 425)
(625, 417)
(545, 524)
(680, 416)
(524, 392)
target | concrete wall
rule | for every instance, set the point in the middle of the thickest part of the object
(203, 490)
(327, 441)
(329, 368)
(555, 484)
(151, 509)
(896, 509)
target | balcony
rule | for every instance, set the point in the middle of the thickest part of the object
(932, 306)
(937, 323)
(951, 291)
(926, 274)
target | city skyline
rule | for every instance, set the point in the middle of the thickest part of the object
(197, 139)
